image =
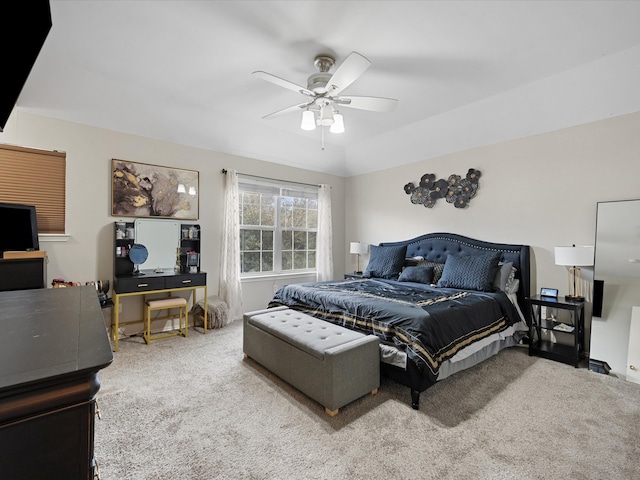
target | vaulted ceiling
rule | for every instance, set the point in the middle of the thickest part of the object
(464, 73)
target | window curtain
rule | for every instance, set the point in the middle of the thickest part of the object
(230, 289)
(324, 255)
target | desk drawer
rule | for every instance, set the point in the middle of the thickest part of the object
(188, 280)
(138, 284)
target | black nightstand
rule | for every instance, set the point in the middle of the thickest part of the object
(353, 276)
(557, 329)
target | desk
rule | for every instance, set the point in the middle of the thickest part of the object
(52, 347)
(149, 283)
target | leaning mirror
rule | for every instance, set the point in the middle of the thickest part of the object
(617, 266)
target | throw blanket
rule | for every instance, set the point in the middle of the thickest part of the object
(430, 324)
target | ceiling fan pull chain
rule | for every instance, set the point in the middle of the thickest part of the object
(322, 128)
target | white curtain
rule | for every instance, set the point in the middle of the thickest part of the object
(324, 249)
(230, 289)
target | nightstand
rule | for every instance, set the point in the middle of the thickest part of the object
(353, 276)
(557, 329)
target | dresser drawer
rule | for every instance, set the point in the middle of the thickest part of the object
(187, 280)
(138, 284)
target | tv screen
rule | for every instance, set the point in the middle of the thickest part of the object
(20, 228)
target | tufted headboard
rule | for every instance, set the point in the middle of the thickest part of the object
(436, 246)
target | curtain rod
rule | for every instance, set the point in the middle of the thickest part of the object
(224, 171)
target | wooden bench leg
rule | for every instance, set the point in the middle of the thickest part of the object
(331, 413)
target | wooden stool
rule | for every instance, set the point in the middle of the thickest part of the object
(166, 304)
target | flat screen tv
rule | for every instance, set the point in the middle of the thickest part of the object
(19, 228)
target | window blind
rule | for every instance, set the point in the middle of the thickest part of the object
(29, 176)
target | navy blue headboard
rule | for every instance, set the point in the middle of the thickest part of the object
(436, 246)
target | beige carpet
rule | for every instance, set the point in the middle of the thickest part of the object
(194, 409)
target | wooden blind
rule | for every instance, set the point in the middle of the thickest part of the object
(35, 177)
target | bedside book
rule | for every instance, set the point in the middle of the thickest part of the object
(562, 327)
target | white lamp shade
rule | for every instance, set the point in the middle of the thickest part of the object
(308, 120)
(338, 124)
(326, 116)
(359, 248)
(576, 256)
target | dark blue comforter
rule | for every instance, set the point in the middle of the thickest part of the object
(430, 324)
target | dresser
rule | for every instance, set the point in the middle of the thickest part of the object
(53, 345)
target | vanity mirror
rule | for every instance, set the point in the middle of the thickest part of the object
(617, 265)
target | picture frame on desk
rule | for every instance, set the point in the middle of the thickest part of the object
(193, 262)
(144, 190)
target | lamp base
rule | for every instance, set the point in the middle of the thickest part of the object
(574, 298)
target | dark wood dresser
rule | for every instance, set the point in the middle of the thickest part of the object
(53, 343)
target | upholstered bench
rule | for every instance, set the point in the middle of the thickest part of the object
(331, 364)
(166, 304)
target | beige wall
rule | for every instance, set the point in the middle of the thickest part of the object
(88, 253)
(540, 190)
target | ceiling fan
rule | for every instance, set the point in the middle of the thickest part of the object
(323, 92)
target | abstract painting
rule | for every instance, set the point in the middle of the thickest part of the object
(143, 190)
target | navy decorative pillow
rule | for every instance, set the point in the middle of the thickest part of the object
(437, 268)
(470, 272)
(417, 274)
(385, 262)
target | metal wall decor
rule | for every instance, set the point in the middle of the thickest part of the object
(455, 189)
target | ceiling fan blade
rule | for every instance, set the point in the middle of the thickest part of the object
(284, 83)
(347, 73)
(293, 108)
(374, 104)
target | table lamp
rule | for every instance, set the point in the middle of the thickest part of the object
(358, 249)
(575, 257)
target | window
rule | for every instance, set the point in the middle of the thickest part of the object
(278, 226)
(35, 177)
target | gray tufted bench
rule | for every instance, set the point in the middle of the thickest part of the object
(329, 363)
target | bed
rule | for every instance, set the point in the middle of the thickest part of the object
(440, 303)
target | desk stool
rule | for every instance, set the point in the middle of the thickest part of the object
(166, 304)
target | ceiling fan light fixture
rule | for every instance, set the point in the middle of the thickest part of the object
(338, 123)
(326, 116)
(308, 120)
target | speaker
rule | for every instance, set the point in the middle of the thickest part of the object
(598, 293)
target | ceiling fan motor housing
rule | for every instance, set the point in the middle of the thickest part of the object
(317, 82)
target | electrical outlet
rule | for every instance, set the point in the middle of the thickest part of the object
(119, 308)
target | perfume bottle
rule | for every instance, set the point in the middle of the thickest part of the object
(177, 267)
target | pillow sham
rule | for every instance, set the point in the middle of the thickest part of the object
(385, 262)
(417, 274)
(505, 272)
(511, 281)
(512, 288)
(437, 268)
(475, 272)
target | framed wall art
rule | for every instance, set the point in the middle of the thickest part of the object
(143, 190)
